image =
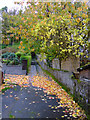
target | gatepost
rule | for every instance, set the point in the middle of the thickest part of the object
(24, 65)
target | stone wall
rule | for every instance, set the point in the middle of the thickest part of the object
(71, 64)
(0, 71)
(85, 73)
(61, 76)
(0, 77)
(55, 64)
(0, 74)
(81, 93)
(78, 88)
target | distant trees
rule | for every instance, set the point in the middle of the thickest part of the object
(7, 23)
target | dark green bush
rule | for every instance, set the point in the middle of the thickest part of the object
(5, 61)
(11, 62)
(8, 61)
(28, 54)
(5, 55)
(18, 54)
(3, 46)
(15, 61)
(11, 56)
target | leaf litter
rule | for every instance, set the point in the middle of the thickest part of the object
(13, 80)
(66, 101)
(50, 87)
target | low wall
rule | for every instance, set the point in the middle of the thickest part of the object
(0, 77)
(78, 88)
(0, 72)
(70, 64)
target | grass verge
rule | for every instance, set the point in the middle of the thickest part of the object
(63, 86)
(3, 90)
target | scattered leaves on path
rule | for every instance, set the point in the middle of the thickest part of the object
(66, 101)
(6, 106)
(16, 98)
(50, 87)
(13, 80)
(21, 80)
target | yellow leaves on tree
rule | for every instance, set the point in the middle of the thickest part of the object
(20, 26)
(31, 29)
(25, 30)
(11, 35)
(84, 15)
(75, 16)
(32, 24)
(22, 18)
(17, 37)
(79, 9)
(19, 32)
(32, 50)
(21, 42)
(23, 47)
(78, 20)
(19, 47)
(41, 22)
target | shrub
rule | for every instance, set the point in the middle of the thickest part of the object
(11, 56)
(3, 46)
(15, 61)
(11, 62)
(28, 54)
(8, 61)
(5, 55)
(18, 54)
(5, 61)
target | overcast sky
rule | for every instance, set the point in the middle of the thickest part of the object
(10, 4)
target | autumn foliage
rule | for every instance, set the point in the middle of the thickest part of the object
(55, 29)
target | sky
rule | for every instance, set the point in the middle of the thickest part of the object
(10, 4)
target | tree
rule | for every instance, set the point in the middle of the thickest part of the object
(8, 19)
(64, 35)
(5, 27)
(4, 9)
(59, 34)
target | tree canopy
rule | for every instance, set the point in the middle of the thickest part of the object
(57, 30)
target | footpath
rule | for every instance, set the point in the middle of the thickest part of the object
(36, 96)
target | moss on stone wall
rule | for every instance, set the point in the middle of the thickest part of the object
(79, 88)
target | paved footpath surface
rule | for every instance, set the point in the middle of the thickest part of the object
(30, 102)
